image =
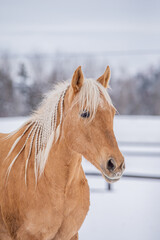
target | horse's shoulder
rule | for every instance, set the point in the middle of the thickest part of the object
(3, 135)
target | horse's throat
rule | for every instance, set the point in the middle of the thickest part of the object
(74, 171)
(63, 165)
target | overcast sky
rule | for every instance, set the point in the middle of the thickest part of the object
(138, 16)
(79, 26)
(116, 13)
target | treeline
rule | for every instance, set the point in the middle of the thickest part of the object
(23, 83)
(138, 94)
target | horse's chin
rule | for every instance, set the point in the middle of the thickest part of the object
(109, 179)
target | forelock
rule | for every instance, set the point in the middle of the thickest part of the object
(90, 96)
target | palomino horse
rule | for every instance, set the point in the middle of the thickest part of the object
(44, 194)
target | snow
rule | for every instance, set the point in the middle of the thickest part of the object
(131, 209)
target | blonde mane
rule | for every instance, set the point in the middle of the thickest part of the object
(42, 129)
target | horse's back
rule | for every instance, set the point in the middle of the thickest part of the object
(3, 135)
(5, 144)
(4, 149)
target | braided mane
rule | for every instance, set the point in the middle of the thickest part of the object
(42, 129)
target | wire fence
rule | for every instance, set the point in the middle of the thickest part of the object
(148, 177)
(126, 176)
(115, 53)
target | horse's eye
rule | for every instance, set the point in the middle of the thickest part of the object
(85, 114)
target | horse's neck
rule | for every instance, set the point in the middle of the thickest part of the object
(63, 165)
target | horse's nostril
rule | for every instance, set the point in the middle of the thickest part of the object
(111, 165)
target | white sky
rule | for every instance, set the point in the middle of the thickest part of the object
(71, 26)
(122, 13)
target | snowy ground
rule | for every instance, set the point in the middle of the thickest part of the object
(131, 210)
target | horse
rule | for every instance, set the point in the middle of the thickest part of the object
(44, 194)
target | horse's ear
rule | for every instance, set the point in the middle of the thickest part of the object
(77, 80)
(104, 79)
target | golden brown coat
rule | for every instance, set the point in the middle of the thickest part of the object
(55, 207)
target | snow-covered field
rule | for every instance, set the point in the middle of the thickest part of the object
(131, 210)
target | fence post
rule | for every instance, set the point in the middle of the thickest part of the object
(109, 187)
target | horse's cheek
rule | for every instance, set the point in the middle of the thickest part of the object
(70, 128)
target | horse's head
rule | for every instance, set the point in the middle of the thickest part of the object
(88, 124)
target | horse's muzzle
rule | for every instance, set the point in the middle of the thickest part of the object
(111, 171)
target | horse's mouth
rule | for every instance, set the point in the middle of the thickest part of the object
(109, 179)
